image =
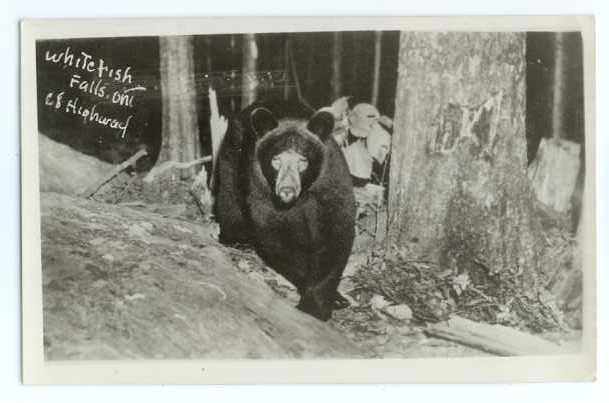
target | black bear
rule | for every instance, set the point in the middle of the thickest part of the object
(233, 167)
(292, 197)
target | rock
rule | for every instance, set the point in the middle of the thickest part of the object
(165, 294)
(244, 265)
(65, 170)
(407, 331)
(378, 302)
(401, 312)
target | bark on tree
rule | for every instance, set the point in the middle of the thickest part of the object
(458, 187)
(337, 56)
(250, 59)
(180, 130)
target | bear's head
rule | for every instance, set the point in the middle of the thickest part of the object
(290, 153)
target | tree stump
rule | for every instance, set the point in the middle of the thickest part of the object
(554, 172)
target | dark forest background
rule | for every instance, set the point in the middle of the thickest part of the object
(218, 60)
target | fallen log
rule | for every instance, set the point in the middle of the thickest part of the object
(494, 339)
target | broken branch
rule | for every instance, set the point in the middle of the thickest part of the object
(159, 169)
(118, 169)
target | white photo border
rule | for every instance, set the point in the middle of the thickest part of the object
(35, 370)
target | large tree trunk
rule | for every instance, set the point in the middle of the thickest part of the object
(180, 125)
(459, 192)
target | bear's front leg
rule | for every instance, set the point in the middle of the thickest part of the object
(320, 293)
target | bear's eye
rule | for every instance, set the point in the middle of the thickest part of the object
(303, 164)
(276, 163)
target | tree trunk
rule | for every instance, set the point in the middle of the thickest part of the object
(459, 193)
(337, 55)
(558, 86)
(208, 61)
(250, 81)
(376, 75)
(180, 125)
(354, 78)
(286, 66)
(310, 73)
(235, 59)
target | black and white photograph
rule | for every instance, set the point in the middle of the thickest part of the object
(288, 195)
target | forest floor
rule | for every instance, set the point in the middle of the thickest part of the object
(378, 334)
(370, 322)
(136, 271)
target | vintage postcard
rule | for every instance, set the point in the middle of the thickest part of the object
(308, 200)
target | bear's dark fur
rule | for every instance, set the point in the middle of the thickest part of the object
(307, 240)
(231, 178)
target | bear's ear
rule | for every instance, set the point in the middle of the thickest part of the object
(262, 121)
(322, 124)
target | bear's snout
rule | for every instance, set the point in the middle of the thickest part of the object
(287, 194)
(287, 187)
